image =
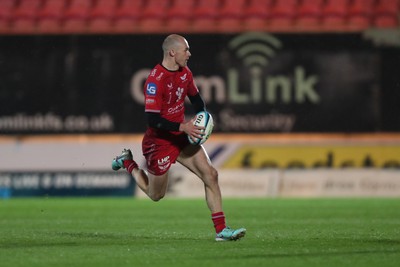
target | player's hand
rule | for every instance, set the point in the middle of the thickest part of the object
(192, 130)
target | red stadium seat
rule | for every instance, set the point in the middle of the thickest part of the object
(335, 15)
(153, 16)
(127, 16)
(76, 16)
(360, 13)
(256, 15)
(50, 16)
(181, 7)
(282, 15)
(309, 15)
(101, 16)
(386, 14)
(230, 16)
(180, 15)
(25, 15)
(205, 15)
(6, 9)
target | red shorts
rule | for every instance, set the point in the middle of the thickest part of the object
(162, 149)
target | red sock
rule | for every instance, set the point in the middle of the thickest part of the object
(218, 219)
(130, 165)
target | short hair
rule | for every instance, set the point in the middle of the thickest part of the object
(171, 41)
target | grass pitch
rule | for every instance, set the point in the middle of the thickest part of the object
(128, 232)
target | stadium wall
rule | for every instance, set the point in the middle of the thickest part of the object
(360, 165)
(253, 82)
(310, 114)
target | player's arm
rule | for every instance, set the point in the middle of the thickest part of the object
(156, 121)
(197, 102)
(198, 105)
(194, 95)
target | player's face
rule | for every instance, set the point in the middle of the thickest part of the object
(182, 54)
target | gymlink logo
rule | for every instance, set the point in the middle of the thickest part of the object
(256, 51)
(248, 82)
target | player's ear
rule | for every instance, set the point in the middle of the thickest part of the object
(171, 53)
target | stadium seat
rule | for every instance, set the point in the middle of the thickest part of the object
(359, 16)
(230, 16)
(50, 16)
(256, 15)
(153, 16)
(76, 16)
(334, 15)
(127, 16)
(282, 15)
(179, 16)
(309, 15)
(6, 9)
(101, 16)
(205, 15)
(25, 15)
(386, 14)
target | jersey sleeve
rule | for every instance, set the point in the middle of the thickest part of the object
(153, 95)
(192, 88)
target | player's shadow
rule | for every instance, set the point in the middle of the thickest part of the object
(128, 237)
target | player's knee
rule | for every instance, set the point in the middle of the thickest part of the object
(213, 175)
(156, 197)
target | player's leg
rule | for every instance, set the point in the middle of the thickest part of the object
(196, 160)
(154, 186)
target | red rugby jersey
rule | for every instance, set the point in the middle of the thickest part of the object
(165, 92)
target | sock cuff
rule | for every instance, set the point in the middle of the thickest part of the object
(218, 219)
(218, 215)
(130, 165)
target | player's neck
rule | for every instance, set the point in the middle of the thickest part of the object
(170, 65)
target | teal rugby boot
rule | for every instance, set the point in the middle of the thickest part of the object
(229, 234)
(118, 161)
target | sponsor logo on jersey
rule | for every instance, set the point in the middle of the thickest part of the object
(160, 76)
(150, 100)
(151, 89)
(176, 109)
(183, 77)
(179, 93)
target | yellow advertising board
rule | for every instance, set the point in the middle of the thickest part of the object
(314, 156)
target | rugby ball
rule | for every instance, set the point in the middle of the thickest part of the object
(203, 118)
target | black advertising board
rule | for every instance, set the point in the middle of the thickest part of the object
(251, 82)
(66, 183)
